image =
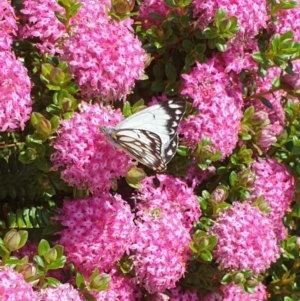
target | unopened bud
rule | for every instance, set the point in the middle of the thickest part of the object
(220, 194)
(12, 240)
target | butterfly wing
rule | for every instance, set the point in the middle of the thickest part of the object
(142, 145)
(150, 136)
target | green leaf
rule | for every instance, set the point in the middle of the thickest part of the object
(80, 280)
(206, 256)
(24, 237)
(43, 247)
(158, 86)
(183, 151)
(187, 45)
(74, 9)
(170, 71)
(52, 281)
(171, 3)
(140, 103)
(61, 18)
(233, 178)
(221, 44)
(127, 109)
(172, 88)
(265, 102)
(210, 32)
(38, 260)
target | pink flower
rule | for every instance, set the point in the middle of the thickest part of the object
(120, 288)
(88, 159)
(234, 292)
(104, 55)
(218, 100)
(172, 195)
(288, 19)
(15, 86)
(276, 185)
(165, 215)
(98, 231)
(246, 239)
(161, 250)
(13, 287)
(252, 16)
(8, 25)
(178, 295)
(39, 21)
(64, 292)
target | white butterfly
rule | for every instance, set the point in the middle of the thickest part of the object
(150, 136)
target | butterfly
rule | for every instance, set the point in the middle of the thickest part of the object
(150, 135)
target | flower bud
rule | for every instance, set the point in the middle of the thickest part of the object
(267, 137)
(28, 270)
(12, 240)
(246, 178)
(43, 126)
(252, 283)
(220, 194)
(259, 117)
(238, 278)
(51, 255)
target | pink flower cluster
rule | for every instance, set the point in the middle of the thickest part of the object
(234, 292)
(39, 21)
(178, 295)
(104, 55)
(252, 16)
(219, 102)
(164, 219)
(13, 287)
(8, 25)
(276, 185)
(246, 239)
(64, 292)
(90, 161)
(98, 231)
(288, 19)
(15, 87)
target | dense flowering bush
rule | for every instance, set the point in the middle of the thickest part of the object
(276, 185)
(97, 231)
(90, 162)
(206, 85)
(8, 25)
(246, 239)
(13, 287)
(15, 101)
(82, 219)
(64, 292)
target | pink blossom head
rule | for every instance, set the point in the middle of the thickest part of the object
(39, 21)
(219, 101)
(171, 195)
(104, 55)
(160, 251)
(246, 239)
(8, 25)
(233, 292)
(15, 99)
(252, 16)
(98, 230)
(288, 19)
(177, 294)
(276, 185)
(86, 158)
(64, 292)
(13, 287)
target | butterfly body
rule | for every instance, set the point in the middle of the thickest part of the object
(150, 136)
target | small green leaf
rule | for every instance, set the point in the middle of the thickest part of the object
(206, 256)
(127, 109)
(43, 247)
(170, 71)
